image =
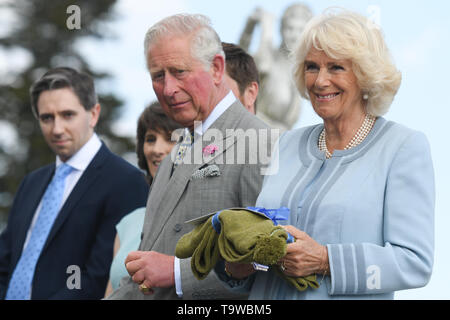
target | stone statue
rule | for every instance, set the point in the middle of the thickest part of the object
(278, 99)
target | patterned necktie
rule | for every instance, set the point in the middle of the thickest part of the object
(21, 280)
(188, 139)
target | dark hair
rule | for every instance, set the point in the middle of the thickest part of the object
(240, 66)
(82, 85)
(153, 118)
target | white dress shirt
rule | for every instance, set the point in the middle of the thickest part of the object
(218, 110)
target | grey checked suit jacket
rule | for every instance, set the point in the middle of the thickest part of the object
(178, 198)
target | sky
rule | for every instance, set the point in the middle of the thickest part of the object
(417, 33)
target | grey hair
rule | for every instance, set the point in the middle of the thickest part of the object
(205, 44)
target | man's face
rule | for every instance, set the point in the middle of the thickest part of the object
(64, 122)
(182, 84)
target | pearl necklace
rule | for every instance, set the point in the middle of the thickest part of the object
(360, 135)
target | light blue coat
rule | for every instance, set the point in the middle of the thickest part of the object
(372, 206)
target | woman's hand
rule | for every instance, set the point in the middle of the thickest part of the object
(304, 256)
(239, 270)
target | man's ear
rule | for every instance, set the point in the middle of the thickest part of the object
(218, 68)
(250, 95)
(95, 115)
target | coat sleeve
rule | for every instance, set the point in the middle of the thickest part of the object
(5, 258)
(406, 259)
(6, 245)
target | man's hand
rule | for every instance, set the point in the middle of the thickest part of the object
(151, 268)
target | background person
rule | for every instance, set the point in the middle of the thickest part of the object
(361, 188)
(65, 221)
(241, 75)
(154, 142)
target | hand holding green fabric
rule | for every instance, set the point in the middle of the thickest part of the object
(245, 237)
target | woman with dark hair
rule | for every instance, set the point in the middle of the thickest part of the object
(154, 132)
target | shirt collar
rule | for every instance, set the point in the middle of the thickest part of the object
(81, 159)
(218, 110)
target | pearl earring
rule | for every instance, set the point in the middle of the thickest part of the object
(365, 96)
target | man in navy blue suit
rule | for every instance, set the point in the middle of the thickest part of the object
(60, 246)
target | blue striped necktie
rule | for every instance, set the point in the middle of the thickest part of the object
(21, 280)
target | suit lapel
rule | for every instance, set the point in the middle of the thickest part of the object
(165, 194)
(29, 208)
(167, 191)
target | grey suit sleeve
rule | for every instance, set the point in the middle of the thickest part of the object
(250, 185)
(128, 290)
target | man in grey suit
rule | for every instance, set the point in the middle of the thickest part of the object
(223, 167)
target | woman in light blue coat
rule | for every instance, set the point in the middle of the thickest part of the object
(360, 188)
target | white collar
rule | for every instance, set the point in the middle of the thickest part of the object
(81, 159)
(218, 110)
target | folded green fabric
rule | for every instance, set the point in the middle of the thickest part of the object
(245, 237)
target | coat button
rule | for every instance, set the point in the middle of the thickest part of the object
(177, 227)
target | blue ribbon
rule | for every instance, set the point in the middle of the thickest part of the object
(216, 222)
(273, 214)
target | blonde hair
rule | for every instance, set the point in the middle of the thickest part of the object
(343, 35)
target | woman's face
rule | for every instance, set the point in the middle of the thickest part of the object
(156, 147)
(332, 86)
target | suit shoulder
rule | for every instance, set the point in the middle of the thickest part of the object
(39, 172)
(117, 161)
(246, 119)
(404, 135)
(121, 176)
(400, 128)
(114, 161)
(118, 169)
(255, 122)
(290, 136)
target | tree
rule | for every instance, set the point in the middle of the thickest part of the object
(48, 31)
